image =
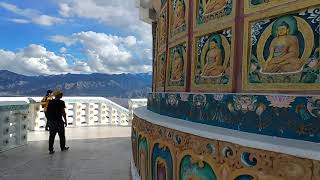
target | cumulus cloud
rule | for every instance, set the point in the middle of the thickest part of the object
(120, 13)
(33, 60)
(103, 53)
(110, 54)
(30, 15)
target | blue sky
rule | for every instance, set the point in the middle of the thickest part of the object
(73, 36)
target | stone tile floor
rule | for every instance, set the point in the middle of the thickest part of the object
(98, 153)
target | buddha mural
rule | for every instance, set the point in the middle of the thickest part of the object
(177, 65)
(179, 14)
(284, 50)
(161, 69)
(209, 10)
(213, 60)
(163, 28)
(211, 6)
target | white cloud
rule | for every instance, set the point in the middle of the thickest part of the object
(47, 20)
(33, 60)
(119, 13)
(103, 53)
(19, 21)
(110, 54)
(31, 15)
(62, 39)
(63, 50)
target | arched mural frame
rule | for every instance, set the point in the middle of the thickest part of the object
(172, 150)
(143, 136)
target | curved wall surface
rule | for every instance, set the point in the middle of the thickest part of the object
(293, 117)
(237, 46)
(206, 117)
(175, 151)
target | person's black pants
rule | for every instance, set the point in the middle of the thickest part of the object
(54, 129)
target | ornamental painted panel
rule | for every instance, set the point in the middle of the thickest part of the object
(194, 157)
(212, 61)
(161, 163)
(163, 25)
(176, 67)
(161, 71)
(178, 19)
(283, 51)
(213, 11)
(143, 158)
(191, 169)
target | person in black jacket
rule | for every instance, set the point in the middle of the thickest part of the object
(57, 121)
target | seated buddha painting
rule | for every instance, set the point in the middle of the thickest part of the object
(177, 57)
(285, 49)
(178, 17)
(208, 10)
(161, 69)
(212, 62)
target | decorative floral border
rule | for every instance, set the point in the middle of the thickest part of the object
(293, 117)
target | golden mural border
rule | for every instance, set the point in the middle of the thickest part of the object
(215, 87)
(214, 23)
(177, 88)
(170, 14)
(164, 46)
(265, 87)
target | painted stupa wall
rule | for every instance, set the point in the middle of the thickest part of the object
(226, 74)
(237, 46)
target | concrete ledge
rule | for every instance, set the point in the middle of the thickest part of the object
(297, 148)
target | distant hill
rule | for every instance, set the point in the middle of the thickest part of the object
(106, 85)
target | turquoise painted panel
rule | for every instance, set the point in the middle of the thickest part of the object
(143, 149)
(189, 170)
(294, 117)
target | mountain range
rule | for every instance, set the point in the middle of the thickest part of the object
(106, 85)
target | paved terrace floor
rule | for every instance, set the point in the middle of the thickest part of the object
(96, 153)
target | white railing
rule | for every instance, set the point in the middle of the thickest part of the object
(83, 111)
(13, 124)
(136, 103)
(18, 114)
